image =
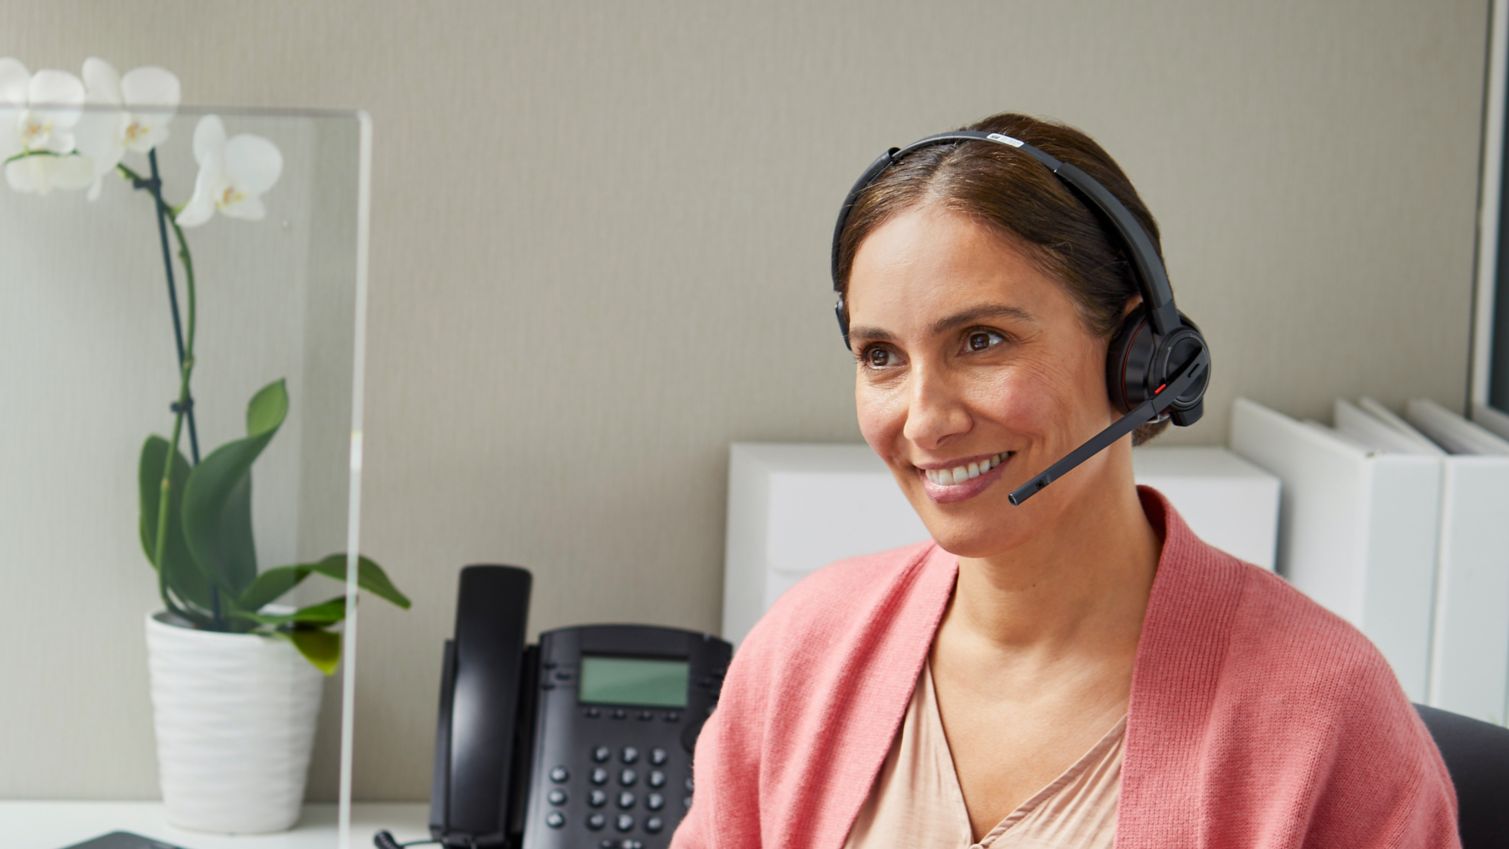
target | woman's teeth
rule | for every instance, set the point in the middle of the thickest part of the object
(960, 474)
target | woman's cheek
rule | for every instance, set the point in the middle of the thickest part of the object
(880, 420)
(871, 410)
(1019, 401)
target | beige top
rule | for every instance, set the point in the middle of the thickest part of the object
(916, 800)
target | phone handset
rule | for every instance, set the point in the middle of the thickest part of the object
(475, 799)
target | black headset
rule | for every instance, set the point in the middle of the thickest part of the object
(1158, 364)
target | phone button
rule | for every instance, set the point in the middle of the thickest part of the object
(593, 713)
(601, 754)
(657, 778)
(653, 825)
(619, 713)
(599, 776)
(596, 822)
(654, 801)
(672, 716)
(626, 800)
(625, 823)
(557, 797)
(560, 775)
(555, 819)
(658, 756)
(597, 799)
(628, 777)
(630, 754)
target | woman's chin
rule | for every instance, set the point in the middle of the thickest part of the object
(970, 539)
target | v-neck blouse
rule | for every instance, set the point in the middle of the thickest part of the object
(916, 799)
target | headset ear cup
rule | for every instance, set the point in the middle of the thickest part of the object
(1128, 359)
(1183, 346)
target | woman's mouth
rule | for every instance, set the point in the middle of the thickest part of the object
(964, 481)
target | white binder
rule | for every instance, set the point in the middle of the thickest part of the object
(1416, 469)
(1356, 530)
(1470, 651)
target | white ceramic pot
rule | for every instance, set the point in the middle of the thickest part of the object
(235, 717)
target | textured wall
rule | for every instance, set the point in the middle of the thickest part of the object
(599, 255)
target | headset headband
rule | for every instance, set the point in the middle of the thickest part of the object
(1151, 278)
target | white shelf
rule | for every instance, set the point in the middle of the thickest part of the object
(54, 825)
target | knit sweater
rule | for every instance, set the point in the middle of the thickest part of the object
(1257, 719)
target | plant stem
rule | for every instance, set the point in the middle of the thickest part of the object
(186, 369)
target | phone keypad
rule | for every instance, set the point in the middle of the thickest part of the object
(652, 802)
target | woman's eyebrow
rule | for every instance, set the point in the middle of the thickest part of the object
(942, 325)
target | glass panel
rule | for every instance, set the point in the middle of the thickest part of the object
(218, 720)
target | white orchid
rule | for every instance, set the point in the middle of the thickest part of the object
(233, 174)
(126, 113)
(37, 116)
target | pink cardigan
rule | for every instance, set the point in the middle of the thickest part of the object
(1258, 719)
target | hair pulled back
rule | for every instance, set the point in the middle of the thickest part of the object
(1025, 203)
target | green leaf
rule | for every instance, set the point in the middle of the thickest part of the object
(180, 573)
(270, 585)
(274, 582)
(321, 648)
(325, 613)
(369, 576)
(217, 498)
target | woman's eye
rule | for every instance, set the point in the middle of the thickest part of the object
(979, 340)
(875, 357)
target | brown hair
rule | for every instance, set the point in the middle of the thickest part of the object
(1024, 202)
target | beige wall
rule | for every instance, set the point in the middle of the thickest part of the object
(600, 234)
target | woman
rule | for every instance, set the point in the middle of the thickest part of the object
(1074, 670)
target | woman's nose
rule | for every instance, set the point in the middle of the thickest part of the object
(935, 410)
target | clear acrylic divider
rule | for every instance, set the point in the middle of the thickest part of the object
(207, 697)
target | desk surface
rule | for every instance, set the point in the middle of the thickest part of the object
(54, 825)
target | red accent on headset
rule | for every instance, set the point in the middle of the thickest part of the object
(1160, 389)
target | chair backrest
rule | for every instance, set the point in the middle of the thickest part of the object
(1477, 756)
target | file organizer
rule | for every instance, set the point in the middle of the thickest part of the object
(792, 508)
(1470, 652)
(1356, 530)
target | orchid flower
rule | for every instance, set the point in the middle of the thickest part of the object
(144, 102)
(233, 174)
(37, 115)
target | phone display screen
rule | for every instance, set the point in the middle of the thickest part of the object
(633, 681)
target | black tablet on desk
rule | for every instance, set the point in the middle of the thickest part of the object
(122, 840)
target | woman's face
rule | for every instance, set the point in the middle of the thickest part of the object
(974, 372)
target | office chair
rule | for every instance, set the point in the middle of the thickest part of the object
(1477, 756)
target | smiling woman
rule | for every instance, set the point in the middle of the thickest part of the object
(1077, 669)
